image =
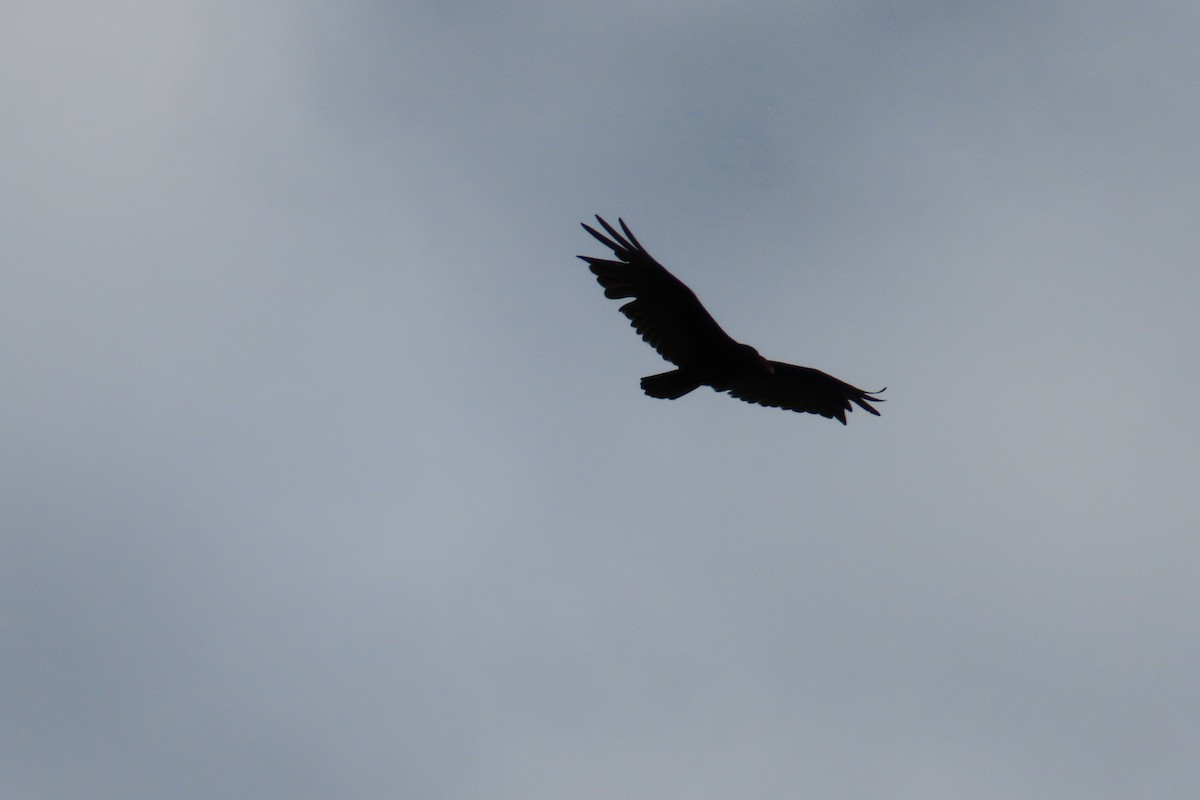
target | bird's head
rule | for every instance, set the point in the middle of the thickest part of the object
(753, 357)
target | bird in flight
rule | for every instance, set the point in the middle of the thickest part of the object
(671, 319)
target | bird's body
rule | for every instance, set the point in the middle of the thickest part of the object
(671, 319)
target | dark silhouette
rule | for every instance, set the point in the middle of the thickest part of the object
(670, 318)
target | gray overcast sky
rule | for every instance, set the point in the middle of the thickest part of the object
(325, 470)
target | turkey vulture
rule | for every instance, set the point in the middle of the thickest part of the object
(670, 319)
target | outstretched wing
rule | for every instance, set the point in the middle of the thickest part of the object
(664, 311)
(803, 389)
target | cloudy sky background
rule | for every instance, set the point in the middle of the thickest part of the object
(325, 470)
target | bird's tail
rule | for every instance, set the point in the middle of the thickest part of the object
(668, 385)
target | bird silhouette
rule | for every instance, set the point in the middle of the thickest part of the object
(672, 320)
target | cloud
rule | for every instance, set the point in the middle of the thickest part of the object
(326, 470)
